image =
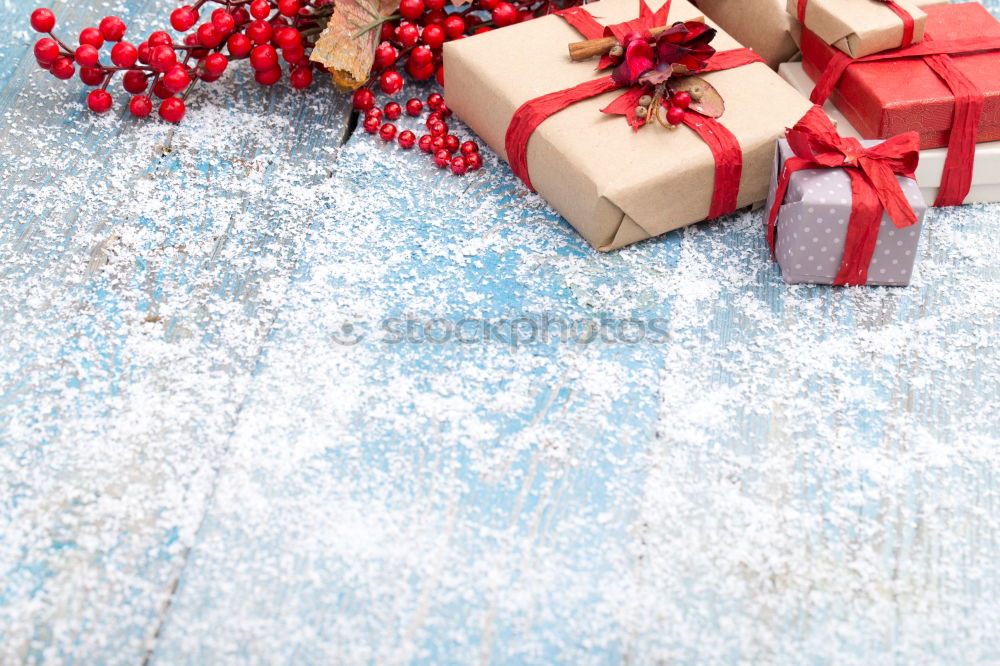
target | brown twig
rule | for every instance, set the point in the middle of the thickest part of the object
(597, 47)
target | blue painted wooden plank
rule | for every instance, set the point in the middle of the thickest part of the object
(141, 264)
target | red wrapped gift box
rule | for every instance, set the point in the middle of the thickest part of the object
(884, 98)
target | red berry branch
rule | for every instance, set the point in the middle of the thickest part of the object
(245, 29)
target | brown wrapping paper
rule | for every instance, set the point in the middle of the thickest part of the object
(860, 27)
(614, 185)
(762, 25)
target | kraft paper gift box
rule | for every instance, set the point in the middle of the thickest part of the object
(883, 98)
(985, 174)
(616, 186)
(812, 227)
(762, 25)
(860, 27)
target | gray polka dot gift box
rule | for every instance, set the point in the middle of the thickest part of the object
(843, 211)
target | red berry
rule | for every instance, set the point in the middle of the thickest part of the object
(43, 20)
(134, 81)
(393, 110)
(488, 5)
(263, 58)
(86, 55)
(443, 110)
(288, 38)
(374, 112)
(442, 158)
(162, 58)
(223, 22)
(434, 100)
(92, 36)
(438, 129)
(425, 143)
(301, 77)
(390, 82)
(241, 16)
(140, 106)
(172, 110)
(525, 15)
(239, 45)
(433, 36)
(435, 5)
(422, 56)
(209, 36)
(439, 75)
(161, 90)
(144, 50)
(371, 125)
(289, 7)
(454, 26)
(92, 76)
(411, 9)
(469, 147)
(675, 115)
(458, 166)
(406, 139)
(177, 79)
(474, 161)
(414, 107)
(293, 55)
(215, 64)
(419, 72)
(46, 50)
(433, 117)
(681, 100)
(385, 55)
(481, 30)
(437, 143)
(63, 68)
(268, 77)
(388, 32)
(505, 14)
(112, 28)
(160, 38)
(451, 143)
(363, 99)
(407, 34)
(124, 54)
(387, 132)
(259, 31)
(435, 17)
(260, 9)
(99, 100)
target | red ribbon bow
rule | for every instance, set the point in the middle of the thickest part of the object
(723, 144)
(874, 187)
(909, 25)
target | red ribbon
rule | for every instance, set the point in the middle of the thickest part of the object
(723, 144)
(909, 25)
(874, 187)
(969, 100)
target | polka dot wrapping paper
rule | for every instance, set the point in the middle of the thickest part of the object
(812, 227)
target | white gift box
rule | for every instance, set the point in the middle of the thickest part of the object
(985, 174)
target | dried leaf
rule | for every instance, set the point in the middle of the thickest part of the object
(705, 99)
(346, 48)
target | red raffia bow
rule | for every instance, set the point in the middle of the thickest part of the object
(874, 187)
(723, 144)
(909, 25)
(969, 100)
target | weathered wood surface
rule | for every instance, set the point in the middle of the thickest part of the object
(213, 448)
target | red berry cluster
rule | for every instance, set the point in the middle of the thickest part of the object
(437, 142)
(244, 29)
(415, 35)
